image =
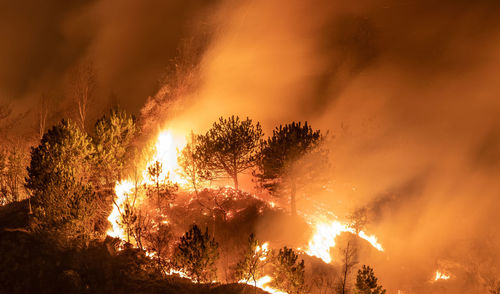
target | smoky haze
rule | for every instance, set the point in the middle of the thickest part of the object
(407, 89)
(409, 94)
(129, 43)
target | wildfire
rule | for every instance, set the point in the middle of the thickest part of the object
(122, 189)
(324, 239)
(262, 283)
(168, 144)
(441, 276)
(166, 149)
(265, 250)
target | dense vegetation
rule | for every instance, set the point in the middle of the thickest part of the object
(55, 241)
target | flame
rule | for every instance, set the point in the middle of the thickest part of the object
(372, 239)
(262, 283)
(265, 250)
(122, 189)
(324, 239)
(441, 276)
(167, 147)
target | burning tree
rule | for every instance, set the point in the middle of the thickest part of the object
(279, 159)
(230, 147)
(196, 255)
(358, 220)
(251, 266)
(288, 274)
(162, 187)
(366, 282)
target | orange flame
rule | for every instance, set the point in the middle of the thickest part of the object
(168, 145)
(166, 148)
(441, 276)
(122, 189)
(324, 239)
(262, 283)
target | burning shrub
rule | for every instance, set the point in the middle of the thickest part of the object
(162, 188)
(251, 266)
(196, 255)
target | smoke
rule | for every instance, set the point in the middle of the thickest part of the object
(129, 43)
(408, 93)
(407, 89)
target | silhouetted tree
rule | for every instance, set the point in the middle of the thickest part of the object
(251, 266)
(196, 255)
(358, 220)
(41, 114)
(279, 168)
(12, 173)
(349, 260)
(229, 147)
(82, 85)
(15, 172)
(127, 220)
(157, 240)
(366, 282)
(162, 187)
(288, 273)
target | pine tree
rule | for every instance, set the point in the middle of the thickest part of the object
(280, 170)
(366, 282)
(114, 134)
(64, 203)
(250, 267)
(288, 274)
(349, 260)
(229, 147)
(192, 165)
(162, 187)
(196, 255)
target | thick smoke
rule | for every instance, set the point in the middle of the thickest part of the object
(409, 94)
(408, 90)
(129, 43)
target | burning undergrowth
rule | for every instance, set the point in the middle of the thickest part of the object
(230, 216)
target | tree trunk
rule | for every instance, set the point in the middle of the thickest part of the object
(158, 191)
(235, 179)
(292, 199)
(344, 281)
